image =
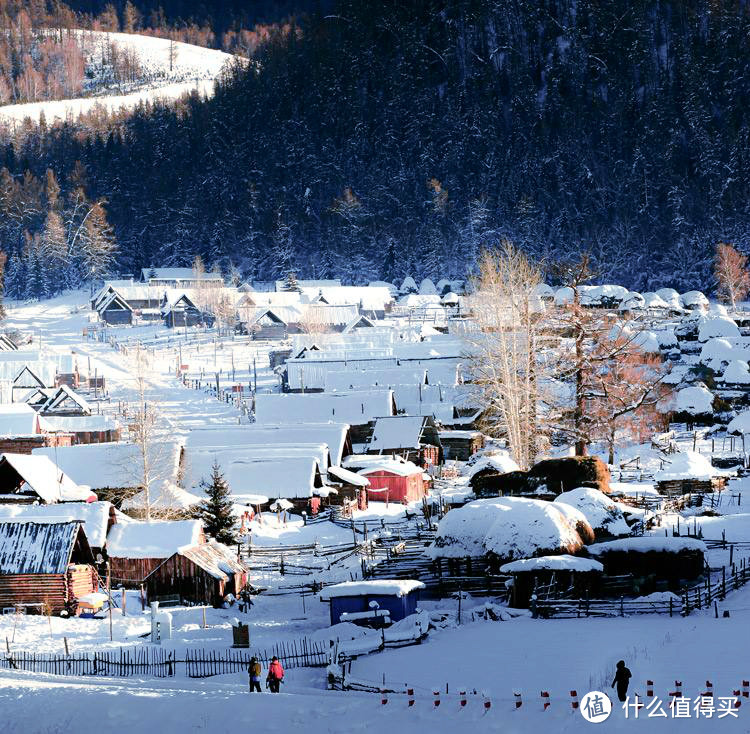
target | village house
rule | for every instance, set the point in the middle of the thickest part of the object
(36, 479)
(136, 548)
(45, 567)
(204, 573)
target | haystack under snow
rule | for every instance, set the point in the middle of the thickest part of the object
(508, 528)
(604, 516)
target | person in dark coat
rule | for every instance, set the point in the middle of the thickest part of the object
(254, 672)
(622, 680)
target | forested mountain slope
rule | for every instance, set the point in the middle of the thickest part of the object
(392, 137)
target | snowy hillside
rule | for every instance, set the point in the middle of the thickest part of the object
(161, 70)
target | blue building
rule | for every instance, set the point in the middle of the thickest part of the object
(393, 600)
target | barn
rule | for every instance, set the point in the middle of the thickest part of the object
(45, 564)
(394, 481)
(199, 574)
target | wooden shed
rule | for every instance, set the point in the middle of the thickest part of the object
(461, 445)
(392, 481)
(136, 548)
(45, 563)
(200, 574)
(413, 437)
(551, 577)
(652, 559)
(115, 310)
(395, 599)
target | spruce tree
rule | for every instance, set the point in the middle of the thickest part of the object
(216, 510)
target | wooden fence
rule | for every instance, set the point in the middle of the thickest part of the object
(703, 595)
(161, 663)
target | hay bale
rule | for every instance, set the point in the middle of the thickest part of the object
(563, 475)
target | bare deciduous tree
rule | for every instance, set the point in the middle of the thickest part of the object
(730, 271)
(503, 365)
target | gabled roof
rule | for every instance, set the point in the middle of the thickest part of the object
(33, 474)
(17, 419)
(403, 432)
(215, 559)
(94, 516)
(160, 539)
(7, 344)
(359, 322)
(113, 302)
(62, 395)
(37, 547)
(354, 408)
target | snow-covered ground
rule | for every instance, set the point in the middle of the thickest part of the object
(168, 70)
(495, 659)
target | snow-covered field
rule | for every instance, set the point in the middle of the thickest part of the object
(491, 660)
(169, 70)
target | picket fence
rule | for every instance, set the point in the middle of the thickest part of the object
(161, 663)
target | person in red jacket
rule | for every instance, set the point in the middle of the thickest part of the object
(275, 675)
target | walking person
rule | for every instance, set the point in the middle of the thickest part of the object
(275, 675)
(622, 680)
(254, 671)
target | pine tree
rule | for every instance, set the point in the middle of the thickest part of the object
(388, 268)
(13, 280)
(216, 510)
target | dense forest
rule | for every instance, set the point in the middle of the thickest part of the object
(380, 139)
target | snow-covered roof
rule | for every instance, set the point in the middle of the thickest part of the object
(685, 465)
(693, 299)
(600, 511)
(510, 527)
(17, 419)
(36, 548)
(348, 477)
(273, 476)
(354, 408)
(553, 563)
(717, 327)
(334, 435)
(736, 373)
(198, 463)
(400, 468)
(148, 274)
(654, 301)
(115, 465)
(77, 423)
(740, 424)
(381, 587)
(215, 559)
(694, 400)
(342, 380)
(399, 432)
(39, 475)
(93, 515)
(158, 539)
(647, 543)
(63, 395)
(717, 352)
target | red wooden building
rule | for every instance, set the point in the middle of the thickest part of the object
(394, 481)
(47, 563)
